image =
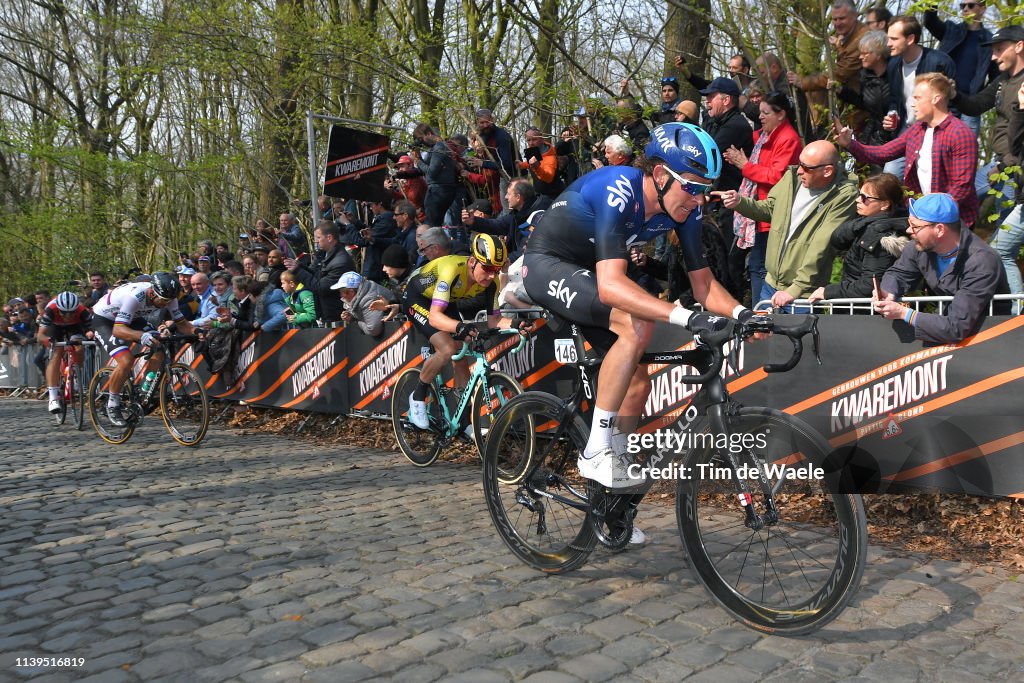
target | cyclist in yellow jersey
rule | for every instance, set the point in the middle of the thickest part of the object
(435, 286)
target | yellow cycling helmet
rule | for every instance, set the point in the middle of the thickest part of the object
(489, 250)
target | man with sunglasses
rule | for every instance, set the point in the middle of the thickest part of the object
(578, 266)
(950, 261)
(523, 201)
(804, 208)
(968, 43)
(119, 319)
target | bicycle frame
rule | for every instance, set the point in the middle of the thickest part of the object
(710, 401)
(68, 362)
(168, 348)
(478, 375)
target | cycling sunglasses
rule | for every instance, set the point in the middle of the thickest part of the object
(688, 186)
(493, 270)
(669, 80)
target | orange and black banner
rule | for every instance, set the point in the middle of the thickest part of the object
(900, 416)
(356, 164)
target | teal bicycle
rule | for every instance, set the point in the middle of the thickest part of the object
(486, 392)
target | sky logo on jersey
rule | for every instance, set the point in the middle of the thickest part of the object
(561, 292)
(620, 194)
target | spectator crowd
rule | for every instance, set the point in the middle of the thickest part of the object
(875, 162)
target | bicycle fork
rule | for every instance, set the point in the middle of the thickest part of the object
(744, 496)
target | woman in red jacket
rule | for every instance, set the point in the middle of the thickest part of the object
(776, 147)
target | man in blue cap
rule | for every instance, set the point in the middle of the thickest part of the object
(951, 262)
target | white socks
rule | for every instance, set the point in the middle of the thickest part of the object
(600, 432)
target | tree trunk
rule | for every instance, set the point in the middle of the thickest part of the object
(544, 69)
(429, 29)
(364, 21)
(281, 121)
(687, 33)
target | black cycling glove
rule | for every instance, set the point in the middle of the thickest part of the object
(704, 322)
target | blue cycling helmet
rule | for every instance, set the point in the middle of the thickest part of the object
(685, 148)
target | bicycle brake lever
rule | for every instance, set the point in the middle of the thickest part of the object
(733, 360)
(816, 341)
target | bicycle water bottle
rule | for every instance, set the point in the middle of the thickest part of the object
(148, 383)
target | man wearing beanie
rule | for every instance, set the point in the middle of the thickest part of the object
(396, 267)
(952, 262)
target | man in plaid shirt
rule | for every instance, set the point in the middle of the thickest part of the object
(941, 151)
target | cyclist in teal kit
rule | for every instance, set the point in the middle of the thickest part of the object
(577, 265)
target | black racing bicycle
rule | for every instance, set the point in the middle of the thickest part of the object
(759, 506)
(177, 390)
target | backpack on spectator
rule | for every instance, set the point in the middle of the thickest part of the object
(221, 349)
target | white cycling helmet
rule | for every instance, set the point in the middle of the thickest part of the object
(67, 302)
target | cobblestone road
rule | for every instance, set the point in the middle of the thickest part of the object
(260, 558)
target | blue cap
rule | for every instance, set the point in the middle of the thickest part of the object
(935, 208)
(184, 270)
(722, 85)
(349, 280)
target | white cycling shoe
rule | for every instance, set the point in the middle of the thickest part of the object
(609, 469)
(53, 406)
(418, 413)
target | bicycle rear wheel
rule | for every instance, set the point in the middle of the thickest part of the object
(99, 390)
(184, 405)
(500, 390)
(420, 446)
(542, 516)
(795, 574)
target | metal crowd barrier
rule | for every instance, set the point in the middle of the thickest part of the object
(863, 306)
(17, 371)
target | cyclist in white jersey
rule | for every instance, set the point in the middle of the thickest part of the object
(119, 318)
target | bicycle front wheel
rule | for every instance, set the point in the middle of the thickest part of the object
(798, 571)
(66, 387)
(77, 396)
(184, 405)
(500, 390)
(542, 515)
(99, 391)
(420, 446)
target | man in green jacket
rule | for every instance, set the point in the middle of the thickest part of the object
(810, 201)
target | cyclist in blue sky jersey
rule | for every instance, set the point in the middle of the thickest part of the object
(578, 266)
